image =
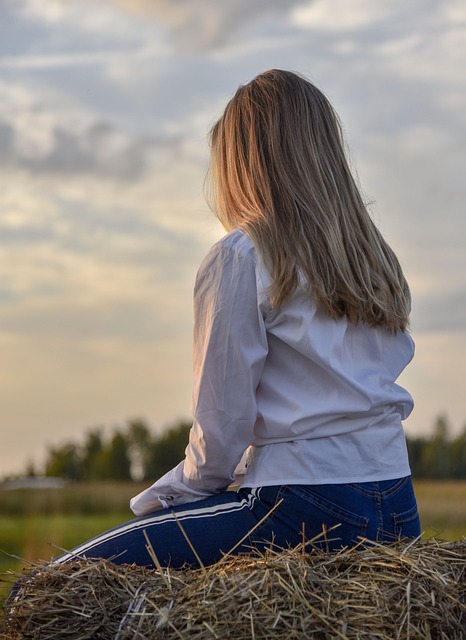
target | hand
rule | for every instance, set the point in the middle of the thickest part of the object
(156, 506)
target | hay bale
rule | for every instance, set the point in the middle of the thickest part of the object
(415, 591)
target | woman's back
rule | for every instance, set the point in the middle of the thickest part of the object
(326, 393)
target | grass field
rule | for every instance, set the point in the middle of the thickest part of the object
(36, 524)
(442, 506)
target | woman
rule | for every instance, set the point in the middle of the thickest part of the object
(301, 316)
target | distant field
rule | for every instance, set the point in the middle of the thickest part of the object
(33, 520)
(442, 506)
(36, 524)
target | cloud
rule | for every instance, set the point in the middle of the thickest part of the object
(435, 379)
(333, 15)
(101, 150)
(96, 21)
(6, 139)
(39, 143)
(203, 25)
(140, 316)
(340, 17)
(195, 25)
(90, 58)
(441, 312)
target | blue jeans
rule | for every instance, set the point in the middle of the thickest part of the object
(281, 516)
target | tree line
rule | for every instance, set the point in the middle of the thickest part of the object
(438, 456)
(135, 453)
(129, 453)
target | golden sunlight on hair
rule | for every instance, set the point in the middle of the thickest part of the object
(279, 170)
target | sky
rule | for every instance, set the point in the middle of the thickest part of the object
(104, 114)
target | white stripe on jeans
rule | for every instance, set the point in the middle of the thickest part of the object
(216, 510)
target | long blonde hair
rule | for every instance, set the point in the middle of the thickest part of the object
(279, 171)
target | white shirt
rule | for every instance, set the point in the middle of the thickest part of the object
(314, 399)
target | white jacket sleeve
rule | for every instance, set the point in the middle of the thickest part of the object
(230, 347)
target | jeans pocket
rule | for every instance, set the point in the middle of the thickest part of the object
(407, 523)
(322, 513)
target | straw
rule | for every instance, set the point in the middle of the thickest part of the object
(405, 591)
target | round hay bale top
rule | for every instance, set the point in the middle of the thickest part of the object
(412, 591)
